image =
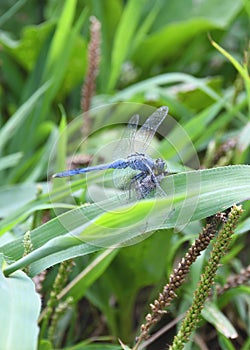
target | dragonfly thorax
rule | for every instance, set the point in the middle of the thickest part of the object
(141, 162)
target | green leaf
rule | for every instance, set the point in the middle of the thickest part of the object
(58, 57)
(61, 35)
(20, 307)
(181, 138)
(123, 37)
(142, 265)
(213, 315)
(244, 140)
(85, 346)
(225, 343)
(12, 126)
(125, 347)
(61, 147)
(164, 79)
(190, 196)
(247, 6)
(78, 286)
(24, 206)
(26, 50)
(242, 69)
(11, 12)
(51, 65)
(169, 35)
(45, 344)
(10, 160)
(23, 194)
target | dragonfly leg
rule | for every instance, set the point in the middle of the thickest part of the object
(155, 181)
(137, 178)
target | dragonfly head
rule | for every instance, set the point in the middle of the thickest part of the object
(159, 166)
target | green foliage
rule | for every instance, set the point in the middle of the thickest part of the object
(18, 298)
(153, 53)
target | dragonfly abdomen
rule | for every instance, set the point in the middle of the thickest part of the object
(73, 172)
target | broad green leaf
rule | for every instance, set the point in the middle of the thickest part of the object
(20, 307)
(195, 99)
(213, 315)
(190, 196)
(26, 50)
(23, 194)
(21, 210)
(169, 35)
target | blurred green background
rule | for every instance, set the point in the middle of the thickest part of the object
(147, 52)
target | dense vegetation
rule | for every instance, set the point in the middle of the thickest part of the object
(81, 264)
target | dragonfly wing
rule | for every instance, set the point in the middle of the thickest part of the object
(145, 134)
(124, 147)
(131, 132)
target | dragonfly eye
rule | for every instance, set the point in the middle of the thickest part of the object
(159, 166)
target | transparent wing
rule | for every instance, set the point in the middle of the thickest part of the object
(145, 134)
(124, 146)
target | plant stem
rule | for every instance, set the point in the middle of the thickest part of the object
(190, 322)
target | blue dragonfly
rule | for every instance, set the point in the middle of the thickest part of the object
(149, 171)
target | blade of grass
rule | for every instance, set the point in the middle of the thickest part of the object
(56, 59)
(60, 37)
(11, 12)
(61, 148)
(12, 125)
(10, 160)
(193, 199)
(242, 70)
(123, 38)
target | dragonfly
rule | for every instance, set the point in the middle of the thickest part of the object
(149, 171)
